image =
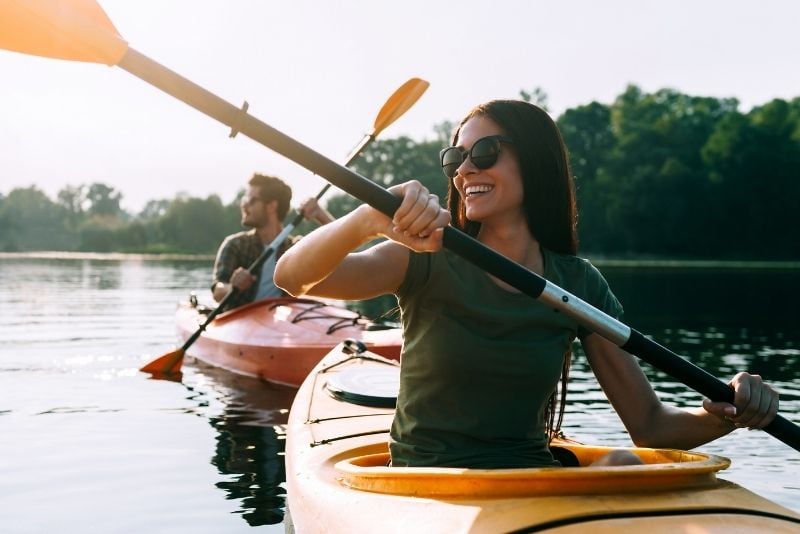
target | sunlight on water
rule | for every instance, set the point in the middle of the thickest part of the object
(105, 449)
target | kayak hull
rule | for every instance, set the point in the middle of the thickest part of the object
(337, 481)
(279, 340)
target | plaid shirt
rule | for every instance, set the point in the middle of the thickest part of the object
(241, 250)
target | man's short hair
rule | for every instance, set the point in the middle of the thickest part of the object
(272, 188)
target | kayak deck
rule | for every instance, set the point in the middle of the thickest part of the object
(280, 340)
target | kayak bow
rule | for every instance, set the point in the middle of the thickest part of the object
(281, 339)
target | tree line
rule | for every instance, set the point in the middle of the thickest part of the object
(89, 218)
(661, 174)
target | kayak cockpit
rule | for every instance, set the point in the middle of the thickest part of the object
(360, 388)
(365, 468)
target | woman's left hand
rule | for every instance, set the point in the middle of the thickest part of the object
(755, 403)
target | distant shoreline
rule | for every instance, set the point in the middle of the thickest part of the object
(104, 256)
(598, 262)
(694, 264)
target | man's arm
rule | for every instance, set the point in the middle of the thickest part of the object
(311, 210)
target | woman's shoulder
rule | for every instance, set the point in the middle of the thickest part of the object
(568, 263)
(574, 272)
(578, 276)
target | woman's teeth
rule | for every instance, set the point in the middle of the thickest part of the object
(475, 189)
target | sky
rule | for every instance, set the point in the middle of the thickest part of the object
(319, 71)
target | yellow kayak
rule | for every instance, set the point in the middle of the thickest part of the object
(338, 480)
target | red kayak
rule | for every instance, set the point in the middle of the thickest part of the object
(281, 339)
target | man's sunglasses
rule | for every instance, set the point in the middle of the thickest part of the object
(483, 154)
(249, 201)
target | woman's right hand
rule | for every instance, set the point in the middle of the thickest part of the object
(419, 222)
(328, 263)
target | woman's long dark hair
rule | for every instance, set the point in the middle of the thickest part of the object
(548, 199)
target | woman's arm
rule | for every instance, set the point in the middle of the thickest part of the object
(323, 264)
(654, 424)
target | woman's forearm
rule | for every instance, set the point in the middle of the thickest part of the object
(319, 253)
(682, 429)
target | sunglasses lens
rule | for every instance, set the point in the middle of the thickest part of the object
(452, 158)
(484, 152)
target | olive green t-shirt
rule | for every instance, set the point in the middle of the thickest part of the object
(479, 362)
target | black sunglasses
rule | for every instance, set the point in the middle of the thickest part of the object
(483, 154)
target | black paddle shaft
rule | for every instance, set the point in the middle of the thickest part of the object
(371, 193)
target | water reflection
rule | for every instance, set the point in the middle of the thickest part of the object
(716, 336)
(248, 416)
(657, 297)
(74, 331)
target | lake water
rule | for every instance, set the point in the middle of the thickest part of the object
(87, 443)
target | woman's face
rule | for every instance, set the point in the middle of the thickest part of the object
(494, 194)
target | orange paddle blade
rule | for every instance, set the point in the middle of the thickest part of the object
(77, 30)
(168, 364)
(400, 102)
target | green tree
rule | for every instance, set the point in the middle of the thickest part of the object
(72, 199)
(31, 221)
(390, 162)
(660, 173)
(98, 233)
(133, 237)
(154, 209)
(590, 139)
(7, 243)
(443, 133)
(538, 96)
(195, 225)
(657, 175)
(102, 199)
(753, 162)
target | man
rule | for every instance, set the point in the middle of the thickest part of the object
(264, 206)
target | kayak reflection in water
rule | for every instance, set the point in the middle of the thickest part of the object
(481, 362)
(249, 445)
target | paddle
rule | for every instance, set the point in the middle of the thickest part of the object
(397, 104)
(90, 36)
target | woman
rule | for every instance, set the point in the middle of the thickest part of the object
(481, 362)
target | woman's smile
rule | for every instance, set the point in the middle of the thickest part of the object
(472, 190)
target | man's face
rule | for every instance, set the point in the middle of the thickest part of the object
(254, 210)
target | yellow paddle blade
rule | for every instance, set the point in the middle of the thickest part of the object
(400, 102)
(78, 30)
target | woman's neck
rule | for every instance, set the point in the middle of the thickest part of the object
(515, 243)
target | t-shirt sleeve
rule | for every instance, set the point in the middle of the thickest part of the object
(599, 295)
(419, 268)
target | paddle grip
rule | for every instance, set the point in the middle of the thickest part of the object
(701, 381)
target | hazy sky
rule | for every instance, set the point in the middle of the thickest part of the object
(320, 70)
